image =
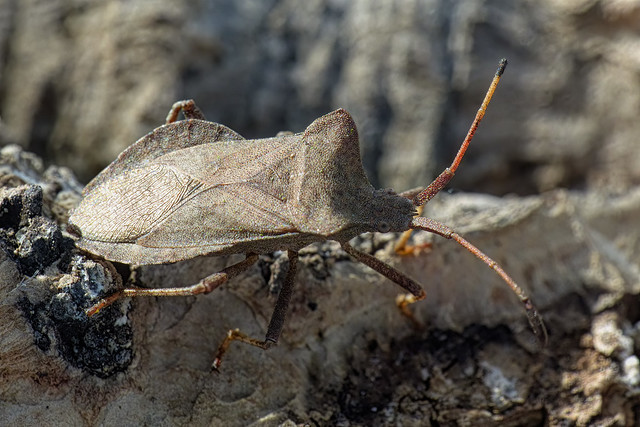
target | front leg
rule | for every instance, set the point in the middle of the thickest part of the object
(416, 293)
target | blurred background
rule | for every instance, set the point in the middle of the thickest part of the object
(80, 80)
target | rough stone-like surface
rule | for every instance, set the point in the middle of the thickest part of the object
(81, 80)
(347, 356)
(76, 75)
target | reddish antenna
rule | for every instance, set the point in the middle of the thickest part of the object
(445, 231)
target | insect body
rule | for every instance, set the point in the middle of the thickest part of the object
(192, 188)
(226, 195)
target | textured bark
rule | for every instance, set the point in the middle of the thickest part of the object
(347, 355)
(80, 81)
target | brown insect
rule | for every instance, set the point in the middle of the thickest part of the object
(193, 187)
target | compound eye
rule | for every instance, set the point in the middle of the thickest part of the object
(383, 227)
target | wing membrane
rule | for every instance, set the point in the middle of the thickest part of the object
(224, 215)
(199, 199)
(161, 141)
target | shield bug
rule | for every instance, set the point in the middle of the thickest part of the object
(192, 187)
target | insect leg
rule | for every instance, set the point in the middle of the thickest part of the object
(447, 232)
(204, 286)
(188, 108)
(277, 318)
(284, 298)
(403, 301)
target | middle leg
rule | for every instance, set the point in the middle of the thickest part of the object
(277, 318)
